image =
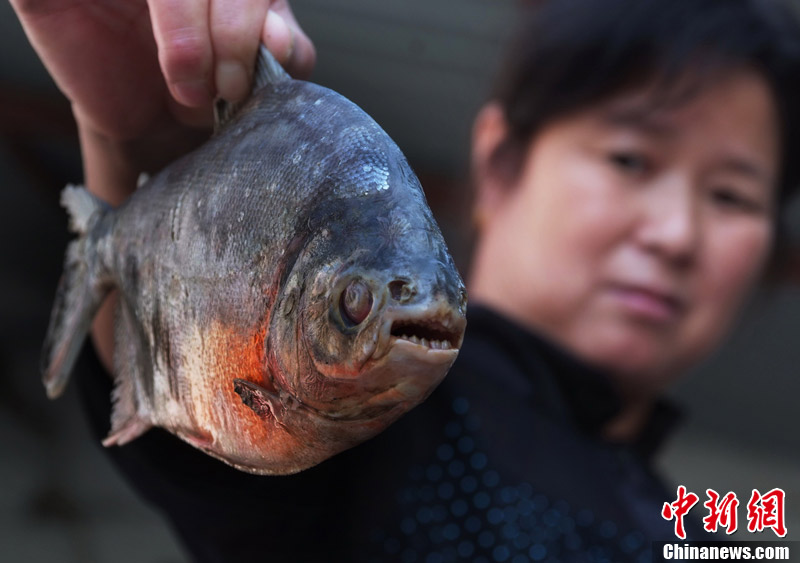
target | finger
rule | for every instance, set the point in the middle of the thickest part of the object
(235, 27)
(287, 41)
(184, 48)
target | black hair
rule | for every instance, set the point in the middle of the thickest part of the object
(571, 54)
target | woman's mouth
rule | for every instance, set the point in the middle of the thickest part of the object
(648, 303)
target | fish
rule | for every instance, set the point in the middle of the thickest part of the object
(285, 292)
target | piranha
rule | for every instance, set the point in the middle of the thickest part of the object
(285, 292)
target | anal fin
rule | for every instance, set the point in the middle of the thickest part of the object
(128, 418)
(127, 431)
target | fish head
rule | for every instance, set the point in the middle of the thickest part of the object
(372, 315)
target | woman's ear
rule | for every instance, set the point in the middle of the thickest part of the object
(489, 131)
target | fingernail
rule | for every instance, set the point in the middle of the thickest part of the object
(279, 36)
(192, 93)
(232, 80)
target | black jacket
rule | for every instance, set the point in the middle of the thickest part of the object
(502, 463)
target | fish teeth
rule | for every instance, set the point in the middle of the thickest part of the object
(434, 344)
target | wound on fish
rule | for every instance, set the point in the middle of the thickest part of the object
(256, 398)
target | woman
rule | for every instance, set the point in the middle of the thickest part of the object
(630, 174)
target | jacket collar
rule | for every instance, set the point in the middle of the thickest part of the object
(566, 387)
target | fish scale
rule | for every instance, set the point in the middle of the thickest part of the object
(233, 264)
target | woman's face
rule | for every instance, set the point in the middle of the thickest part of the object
(632, 235)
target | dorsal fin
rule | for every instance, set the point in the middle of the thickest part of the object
(268, 71)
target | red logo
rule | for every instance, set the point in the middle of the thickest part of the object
(720, 512)
(763, 511)
(679, 509)
(766, 511)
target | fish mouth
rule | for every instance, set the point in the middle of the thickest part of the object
(439, 330)
(427, 333)
(415, 349)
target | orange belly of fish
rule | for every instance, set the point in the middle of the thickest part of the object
(237, 434)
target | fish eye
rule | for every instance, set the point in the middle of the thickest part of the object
(356, 302)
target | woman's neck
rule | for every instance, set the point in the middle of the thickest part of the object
(628, 425)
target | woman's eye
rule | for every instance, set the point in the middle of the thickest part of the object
(728, 198)
(630, 162)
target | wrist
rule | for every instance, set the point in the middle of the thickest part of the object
(109, 167)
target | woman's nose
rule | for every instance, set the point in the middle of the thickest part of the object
(670, 224)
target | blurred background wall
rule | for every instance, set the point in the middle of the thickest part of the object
(422, 69)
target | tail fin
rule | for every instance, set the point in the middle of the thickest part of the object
(80, 291)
